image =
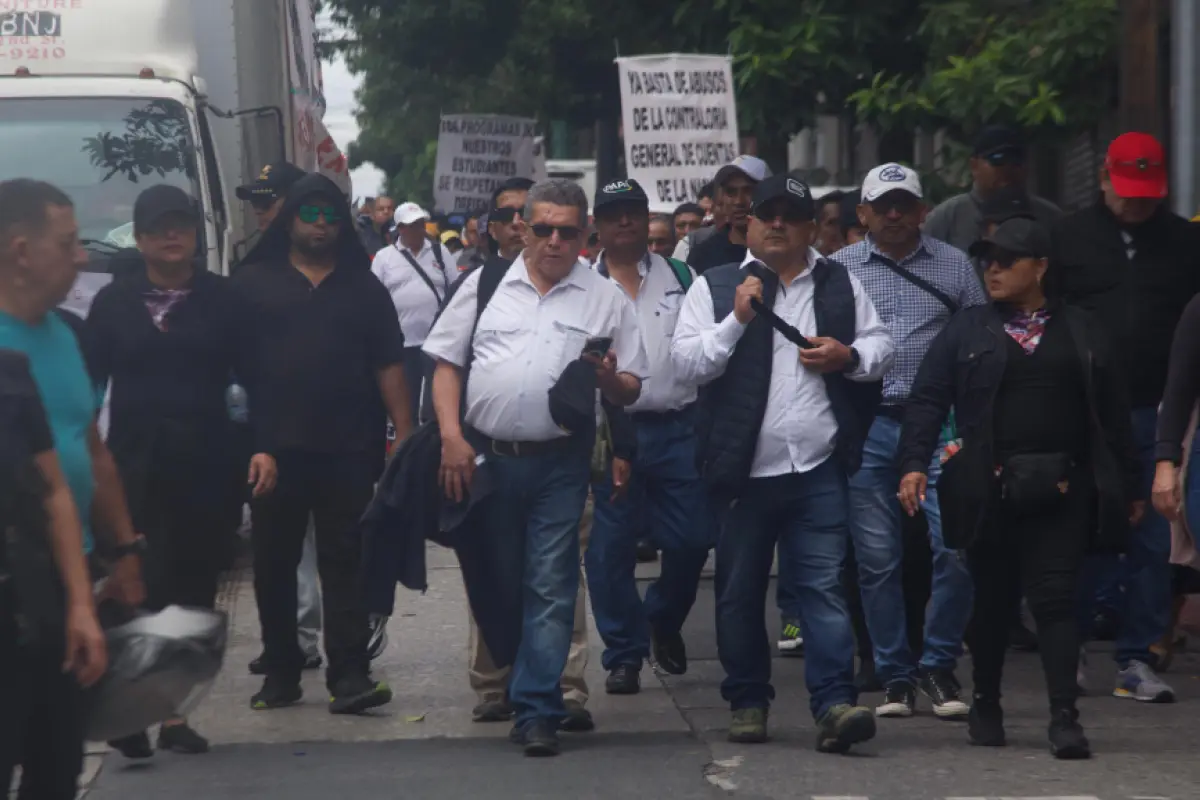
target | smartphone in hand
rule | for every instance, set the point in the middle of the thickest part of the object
(597, 346)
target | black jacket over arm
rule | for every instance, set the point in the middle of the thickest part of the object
(963, 369)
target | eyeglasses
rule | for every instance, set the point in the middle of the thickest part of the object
(504, 216)
(568, 233)
(309, 214)
(788, 212)
(903, 202)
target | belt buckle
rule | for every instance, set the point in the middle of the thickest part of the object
(514, 449)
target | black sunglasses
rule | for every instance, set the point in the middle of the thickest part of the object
(1002, 258)
(790, 214)
(504, 216)
(902, 202)
(568, 233)
(263, 202)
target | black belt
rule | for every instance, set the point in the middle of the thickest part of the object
(892, 412)
(662, 416)
(549, 447)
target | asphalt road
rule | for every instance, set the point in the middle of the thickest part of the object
(667, 742)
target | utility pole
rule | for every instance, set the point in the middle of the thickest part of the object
(1185, 113)
(1141, 91)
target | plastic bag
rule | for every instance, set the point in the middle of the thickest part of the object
(160, 666)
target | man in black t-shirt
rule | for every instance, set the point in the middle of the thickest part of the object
(735, 184)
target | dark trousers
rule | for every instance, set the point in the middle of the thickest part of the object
(1043, 555)
(418, 368)
(334, 490)
(41, 724)
(806, 515)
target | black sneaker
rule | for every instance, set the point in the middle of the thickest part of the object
(136, 746)
(1066, 735)
(181, 739)
(577, 720)
(791, 640)
(257, 666)
(670, 653)
(357, 693)
(941, 687)
(900, 700)
(276, 693)
(624, 679)
(985, 724)
(538, 737)
(492, 711)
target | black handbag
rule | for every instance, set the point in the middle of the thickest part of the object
(1035, 483)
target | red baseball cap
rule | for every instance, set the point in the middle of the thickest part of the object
(1137, 166)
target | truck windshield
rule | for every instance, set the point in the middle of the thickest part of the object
(102, 151)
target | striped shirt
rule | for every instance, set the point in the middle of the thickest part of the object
(912, 315)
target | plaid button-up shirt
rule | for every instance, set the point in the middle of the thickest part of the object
(913, 315)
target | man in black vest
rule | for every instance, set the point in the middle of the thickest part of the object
(784, 426)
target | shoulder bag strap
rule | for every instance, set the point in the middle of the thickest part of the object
(682, 273)
(424, 276)
(921, 283)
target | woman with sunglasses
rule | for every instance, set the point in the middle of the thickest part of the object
(1047, 472)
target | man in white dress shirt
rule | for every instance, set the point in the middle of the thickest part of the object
(416, 270)
(669, 492)
(783, 426)
(546, 311)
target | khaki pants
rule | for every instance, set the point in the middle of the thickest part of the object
(491, 683)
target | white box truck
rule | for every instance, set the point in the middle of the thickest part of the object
(105, 97)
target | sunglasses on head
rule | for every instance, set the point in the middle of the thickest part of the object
(1005, 158)
(504, 216)
(568, 233)
(310, 214)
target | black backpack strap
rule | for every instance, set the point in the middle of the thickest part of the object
(425, 277)
(921, 283)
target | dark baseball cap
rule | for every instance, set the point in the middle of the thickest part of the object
(160, 201)
(273, 181)
(998, 139)
(793, 190)
(624, 191)
(1019, 236)
(1005, 203)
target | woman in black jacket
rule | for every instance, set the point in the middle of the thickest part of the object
(168, 337)
(1047, 471)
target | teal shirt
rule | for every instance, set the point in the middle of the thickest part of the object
(67, 395)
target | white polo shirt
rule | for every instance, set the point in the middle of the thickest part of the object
(798, 428)
(658, 302)
(525, 340)
(416, 302)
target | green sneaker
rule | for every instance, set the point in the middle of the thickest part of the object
(844, 725)
(749, 726)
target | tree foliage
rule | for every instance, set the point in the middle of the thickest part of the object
(1033, 63)
(903, 64)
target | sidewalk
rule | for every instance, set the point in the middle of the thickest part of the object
(667, 742)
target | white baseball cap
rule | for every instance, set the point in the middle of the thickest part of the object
(753, 168)
(408, 213)
(889, 178)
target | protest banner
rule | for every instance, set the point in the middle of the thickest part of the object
(680, 123)
(478, 152)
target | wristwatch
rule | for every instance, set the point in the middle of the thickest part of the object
(135, 548)
(854, 361)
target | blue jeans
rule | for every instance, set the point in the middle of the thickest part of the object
(532, 524)
(1148, 593)
(879, 548)
(806, 515)
(785, 592)
(674, 503)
